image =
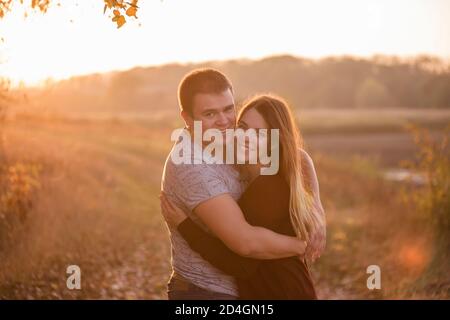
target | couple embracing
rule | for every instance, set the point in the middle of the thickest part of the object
(236, 231)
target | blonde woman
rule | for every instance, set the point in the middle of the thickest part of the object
(287, 203)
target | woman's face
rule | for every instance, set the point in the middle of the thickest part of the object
(252, 119)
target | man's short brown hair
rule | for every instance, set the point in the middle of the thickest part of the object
(201, 81)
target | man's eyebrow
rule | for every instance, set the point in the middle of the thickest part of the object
(209, 110)
(215, 110)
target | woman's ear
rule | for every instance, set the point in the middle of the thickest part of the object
(188, 120)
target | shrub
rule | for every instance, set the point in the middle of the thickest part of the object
(18, 184)
(433, 198)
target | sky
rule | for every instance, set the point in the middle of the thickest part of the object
(76, 38)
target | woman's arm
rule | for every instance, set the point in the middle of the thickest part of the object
(317, 241)
(215, 252)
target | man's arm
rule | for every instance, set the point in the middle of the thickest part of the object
(216, 252)
(225, 219)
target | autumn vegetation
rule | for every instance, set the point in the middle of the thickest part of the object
(81, 161)
(120, 10)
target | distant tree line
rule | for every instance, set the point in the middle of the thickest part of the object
(345, 82)
(338, 82)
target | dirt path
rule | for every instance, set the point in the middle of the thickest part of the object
(143, 276)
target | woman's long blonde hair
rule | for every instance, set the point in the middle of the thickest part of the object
(278, 115)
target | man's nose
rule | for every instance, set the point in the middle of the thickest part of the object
(222, 119)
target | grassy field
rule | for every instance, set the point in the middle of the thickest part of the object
(96, 206)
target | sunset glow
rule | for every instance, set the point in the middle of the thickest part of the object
(77, 39)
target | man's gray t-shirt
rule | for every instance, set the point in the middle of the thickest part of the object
(188, 185)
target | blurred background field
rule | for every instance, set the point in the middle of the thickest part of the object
(81, 162)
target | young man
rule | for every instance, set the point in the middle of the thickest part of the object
(208, 193)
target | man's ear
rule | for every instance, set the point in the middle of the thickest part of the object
(187, 119)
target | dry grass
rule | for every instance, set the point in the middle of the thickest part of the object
(370, 120)
(369, 224)
(97, 207)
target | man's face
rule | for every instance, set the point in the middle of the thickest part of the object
(215, 110)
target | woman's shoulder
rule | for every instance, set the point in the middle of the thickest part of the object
(306, 159)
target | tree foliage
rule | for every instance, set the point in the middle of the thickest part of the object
(120, 10)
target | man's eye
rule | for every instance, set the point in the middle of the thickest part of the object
(209, 114)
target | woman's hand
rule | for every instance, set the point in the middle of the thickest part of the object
(172, 214)
(302, 248)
